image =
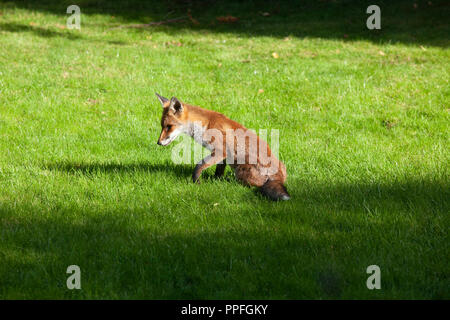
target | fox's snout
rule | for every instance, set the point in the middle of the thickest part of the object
(160, 142)
(164, 139)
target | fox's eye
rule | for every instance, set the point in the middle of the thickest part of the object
(169, 127)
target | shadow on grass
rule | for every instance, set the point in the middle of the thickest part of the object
(167, 167)
(315, 246)
(39, 31)
(48, 33)
(117, 261)
(409, 22)
(126, 256)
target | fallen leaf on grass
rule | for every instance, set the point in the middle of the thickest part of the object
(227, 19)
(93, 101)
(275, 55)
(381, 53)
(308, 54)
(174, 43)
(389, 124)
(260, 91)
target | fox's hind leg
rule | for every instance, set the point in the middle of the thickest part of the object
(249, 175)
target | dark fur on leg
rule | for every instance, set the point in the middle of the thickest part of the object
(220, 169)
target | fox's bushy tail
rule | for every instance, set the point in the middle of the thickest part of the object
(275, 190)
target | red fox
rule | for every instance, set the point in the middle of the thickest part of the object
(253, 163)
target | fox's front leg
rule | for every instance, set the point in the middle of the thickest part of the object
(220, 170)
(207, 162)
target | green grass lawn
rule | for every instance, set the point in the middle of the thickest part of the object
(364, 130)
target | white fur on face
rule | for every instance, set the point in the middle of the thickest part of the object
(175, 133)
(193, 129)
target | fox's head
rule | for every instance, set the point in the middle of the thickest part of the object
(172, 122)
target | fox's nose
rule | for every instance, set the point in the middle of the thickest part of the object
(159, 143)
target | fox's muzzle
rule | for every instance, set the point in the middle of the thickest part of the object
(161, 138)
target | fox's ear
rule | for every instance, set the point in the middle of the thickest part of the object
(161, 99)
(175, 105)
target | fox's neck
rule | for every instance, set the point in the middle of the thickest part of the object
(196, 123)
(197, 120)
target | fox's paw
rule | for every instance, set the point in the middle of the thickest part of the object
(196, 178)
